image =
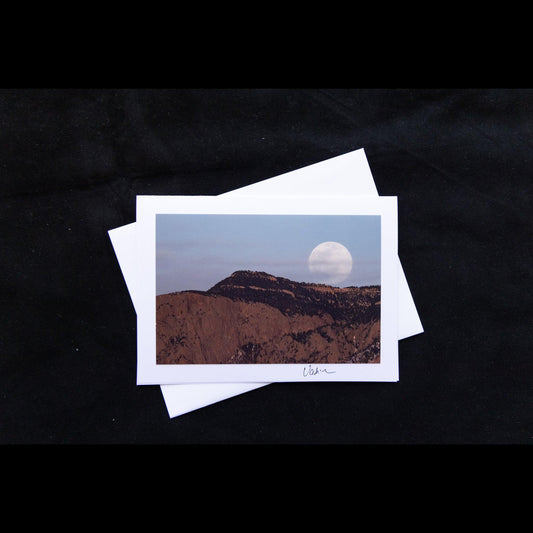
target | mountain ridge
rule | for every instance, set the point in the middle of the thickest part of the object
(350, 304)
(255, 317)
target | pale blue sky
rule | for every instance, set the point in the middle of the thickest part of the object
(197, 251)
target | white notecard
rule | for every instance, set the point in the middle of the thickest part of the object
(267, 244)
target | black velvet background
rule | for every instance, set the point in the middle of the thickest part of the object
(72, 161)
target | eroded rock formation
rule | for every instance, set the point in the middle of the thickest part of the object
(253, 317)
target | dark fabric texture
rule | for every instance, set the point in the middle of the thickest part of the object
(72, 162)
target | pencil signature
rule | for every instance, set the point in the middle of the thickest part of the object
(310, 371)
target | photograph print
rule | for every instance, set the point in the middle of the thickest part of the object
(235, 289)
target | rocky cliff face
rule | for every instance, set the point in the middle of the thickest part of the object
(253, 317)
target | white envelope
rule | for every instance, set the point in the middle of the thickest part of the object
(347, 174)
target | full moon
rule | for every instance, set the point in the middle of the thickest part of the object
(332, 261)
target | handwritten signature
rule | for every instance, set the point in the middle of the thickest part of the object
(310, 371)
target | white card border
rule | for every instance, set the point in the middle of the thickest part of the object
(149, 373)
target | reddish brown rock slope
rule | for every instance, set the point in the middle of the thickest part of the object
(253, 317)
